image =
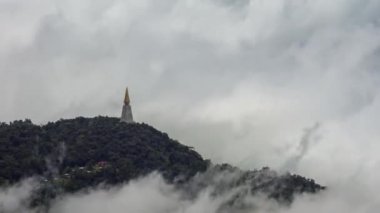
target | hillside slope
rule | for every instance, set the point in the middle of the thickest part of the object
(75, 154)
(94, 149)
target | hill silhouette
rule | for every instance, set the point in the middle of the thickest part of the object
(76, 154)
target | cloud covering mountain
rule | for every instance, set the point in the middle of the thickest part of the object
(241, 81)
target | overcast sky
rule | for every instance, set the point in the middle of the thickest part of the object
(289, 84)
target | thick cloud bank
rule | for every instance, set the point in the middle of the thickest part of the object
(152, 194)
(148, 194)
(243, 82)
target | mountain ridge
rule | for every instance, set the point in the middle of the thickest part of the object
(70, 155)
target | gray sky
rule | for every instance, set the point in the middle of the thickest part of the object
(241, 81)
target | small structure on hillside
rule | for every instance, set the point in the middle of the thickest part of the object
(126, 114)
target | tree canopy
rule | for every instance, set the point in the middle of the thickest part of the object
(75, 154)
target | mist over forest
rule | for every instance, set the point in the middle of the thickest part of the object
(74, 157)
(292, 85)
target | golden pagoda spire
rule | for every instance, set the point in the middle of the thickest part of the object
(126, 113)
(126, 98)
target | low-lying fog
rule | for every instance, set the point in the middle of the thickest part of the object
(293, 85)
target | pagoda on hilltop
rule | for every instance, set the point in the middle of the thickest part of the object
(126, 115)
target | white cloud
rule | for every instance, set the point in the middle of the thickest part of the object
(238, 80)
(16, 198)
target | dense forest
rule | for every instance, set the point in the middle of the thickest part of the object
(75, 154)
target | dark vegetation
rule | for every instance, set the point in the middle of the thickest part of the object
(238, 184)
(75, 154)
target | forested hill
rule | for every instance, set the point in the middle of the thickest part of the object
(87, 151)
(75, 154)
